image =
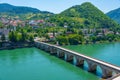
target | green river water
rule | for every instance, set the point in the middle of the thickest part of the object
(35, 64)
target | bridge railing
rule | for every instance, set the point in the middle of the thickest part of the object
(84, 56)
(98, 62)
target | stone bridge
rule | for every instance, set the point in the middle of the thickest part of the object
(109, 71)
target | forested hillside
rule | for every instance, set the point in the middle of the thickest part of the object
(85, 15)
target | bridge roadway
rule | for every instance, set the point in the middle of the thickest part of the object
(109, 71)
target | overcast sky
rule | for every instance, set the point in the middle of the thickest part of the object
(57, 6)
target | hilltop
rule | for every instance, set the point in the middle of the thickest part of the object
(85, 15)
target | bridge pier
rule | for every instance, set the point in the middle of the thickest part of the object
(60, 54)
(79, 62)
(47, 48)
(92, 67)
(39, 46)
(36, 45)
(106, 73)
(52, 50)
(42, 46)
(69, 57)
(107, 69)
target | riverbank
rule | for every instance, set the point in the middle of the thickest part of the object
(13, 45)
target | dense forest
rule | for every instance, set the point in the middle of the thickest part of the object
(85, 15)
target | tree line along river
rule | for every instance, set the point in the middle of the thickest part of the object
(35, 64)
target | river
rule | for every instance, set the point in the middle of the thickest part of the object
(35, 64)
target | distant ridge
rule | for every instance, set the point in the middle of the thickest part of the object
(7, 8)
(22, 12)
(115, 15)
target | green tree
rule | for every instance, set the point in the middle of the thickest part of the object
(24, 35)
(93, 39)
(31, 38)
(19, 37)
(1, 25)
(63, 40)
(110, 37)
(3, 37)
(13, 36)
(75, 39)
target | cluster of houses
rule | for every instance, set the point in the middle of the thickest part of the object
(40, 23)
(99, 32)
(22, 23)
(9, 24)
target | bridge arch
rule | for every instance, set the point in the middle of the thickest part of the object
(79, 61)
(60, 53)
(107, 69)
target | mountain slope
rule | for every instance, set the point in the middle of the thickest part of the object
(7, 10)
(85, 15)
(115, 15)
